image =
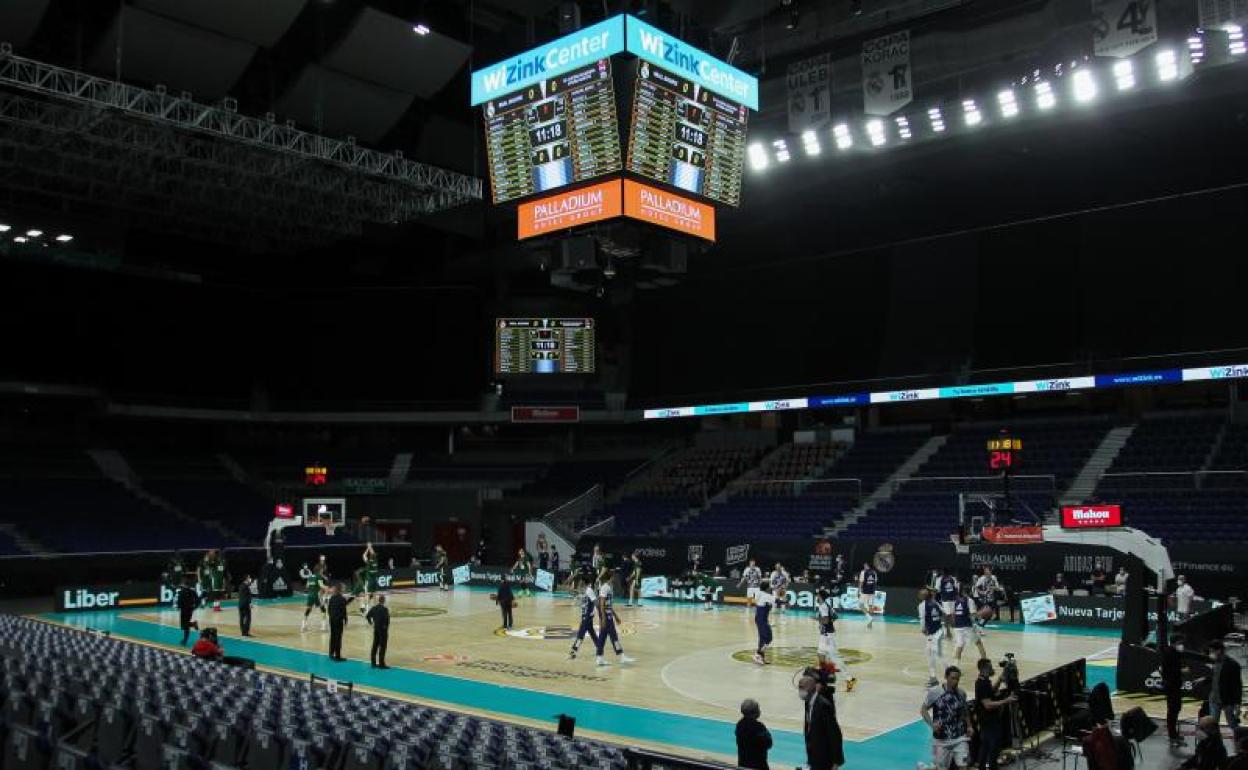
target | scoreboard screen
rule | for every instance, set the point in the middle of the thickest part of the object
(552, 133)
(544, 346)
(686, 135)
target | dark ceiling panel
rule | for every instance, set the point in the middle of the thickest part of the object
(159, 50)
(19, 19)
(338, 105)
(383, 49)
(261, 22)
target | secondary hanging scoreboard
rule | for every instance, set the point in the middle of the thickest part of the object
(544, 346)
(558, 131)
(686, 135)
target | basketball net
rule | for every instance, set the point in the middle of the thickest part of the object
(330, 527)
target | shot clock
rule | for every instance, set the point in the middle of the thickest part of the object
(1004, 454)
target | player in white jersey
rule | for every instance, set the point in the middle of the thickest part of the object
(751, 578)
(829, 656)
(985, 593)
(607, 620)
(780, 589)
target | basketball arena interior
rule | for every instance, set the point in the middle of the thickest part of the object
(623, 384)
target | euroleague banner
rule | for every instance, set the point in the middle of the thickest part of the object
(810, 94)
(1122, 28)
(886, 76)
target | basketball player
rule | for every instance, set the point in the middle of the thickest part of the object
(868, 579)
(987, 588)
(607, 621)
(634, 580)
(779, 589)
(441, 562)
(751, 577)
(524, 565)
(175, 572)
(946, 711)
(589, 603)
(762, 621)
(932, 626)
(212, 578)
(829, 656)
(964, 627)
(707, 581)
(597, 561)
(369, 575)
(314, 588)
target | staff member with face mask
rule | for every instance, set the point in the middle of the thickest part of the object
(824, 749)
(1172, 684)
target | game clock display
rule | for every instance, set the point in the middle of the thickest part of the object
(556, 132)
(1004, 454)
(687, 136)
(544, 346)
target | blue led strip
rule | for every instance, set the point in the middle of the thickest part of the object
(1059, 384)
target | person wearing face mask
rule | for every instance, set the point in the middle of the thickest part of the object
(1172, 684)
(1210, 751)
(991, 711)
(1227, 691)
(824, 746)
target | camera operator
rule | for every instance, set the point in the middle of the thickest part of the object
(992, 699)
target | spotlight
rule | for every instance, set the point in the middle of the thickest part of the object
(64, 238)
(1236, 35)
(937, 120)
(844, 139)
(782, 150)
(810, 141)
(1167, 65)
(875, 131)
(1124, 75)
(20, 239)
(5, 228)
(758, 157)
(33, 233)
(1084, 86)
(1008, 103)
(421, 29)
(903, 126)
(1045, 98)
(971, 113)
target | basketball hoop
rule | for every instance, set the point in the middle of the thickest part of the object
(330, 526)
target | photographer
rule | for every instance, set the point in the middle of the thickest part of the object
(988, 696)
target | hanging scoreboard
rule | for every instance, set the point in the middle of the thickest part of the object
(686, 135)
(544, 346)
(553, 133)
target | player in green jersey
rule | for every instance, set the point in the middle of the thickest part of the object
(314, 584)
(368, 577)
(212, 578)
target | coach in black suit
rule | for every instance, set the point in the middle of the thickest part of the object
(824, 750)
(1227, 691)
(337, 622)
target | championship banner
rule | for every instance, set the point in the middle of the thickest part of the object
(810, 94)
(1121, 28)
(886, 77)
(1216, 14)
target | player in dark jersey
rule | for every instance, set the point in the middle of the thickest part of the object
(780, 590)
(314, 587)
(932, 626)
(175, 572)
(589, 605)
(829, 656)
(441, 563)
(524, 566)
(868, 581)
(212, 578)
(369, 577)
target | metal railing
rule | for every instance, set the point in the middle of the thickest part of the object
(1199, 478)
(562, 519)
(795, 487)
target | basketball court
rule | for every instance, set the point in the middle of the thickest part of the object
(681, 695)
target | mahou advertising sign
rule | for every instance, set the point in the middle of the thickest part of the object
(1091, 516)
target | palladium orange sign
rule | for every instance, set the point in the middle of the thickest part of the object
(676, 212)
(569, 209)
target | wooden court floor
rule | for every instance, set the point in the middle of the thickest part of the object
(688, 661)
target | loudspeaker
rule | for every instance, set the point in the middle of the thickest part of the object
(1136, 725)
(569, 17)
(666, 256)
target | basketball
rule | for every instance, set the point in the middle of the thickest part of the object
(984, 613)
